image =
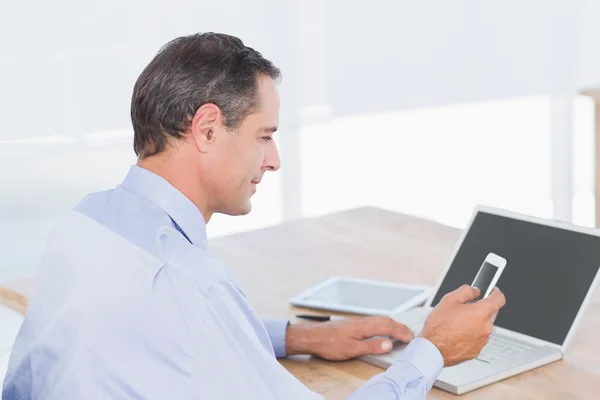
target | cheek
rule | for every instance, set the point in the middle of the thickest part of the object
(244, 164)
(241, 162)
(254, 158)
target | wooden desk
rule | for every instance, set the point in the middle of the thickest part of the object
(276, 263)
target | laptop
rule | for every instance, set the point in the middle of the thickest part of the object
(550, 275)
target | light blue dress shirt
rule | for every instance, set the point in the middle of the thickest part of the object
(130, 304)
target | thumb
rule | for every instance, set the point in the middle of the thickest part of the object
(464, 294)
(374, 346)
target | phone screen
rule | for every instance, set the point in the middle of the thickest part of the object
(484, 278)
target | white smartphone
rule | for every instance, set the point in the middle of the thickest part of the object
(488, 275)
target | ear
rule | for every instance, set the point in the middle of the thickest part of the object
(207, 119)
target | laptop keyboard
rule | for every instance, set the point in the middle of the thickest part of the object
(500, 347)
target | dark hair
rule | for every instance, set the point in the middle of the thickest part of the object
(185, 74)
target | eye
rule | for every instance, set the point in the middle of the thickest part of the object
(267, 138)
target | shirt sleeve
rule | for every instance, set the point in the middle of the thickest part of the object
(410, 377)
(277, 330)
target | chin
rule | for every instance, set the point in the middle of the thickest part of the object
(240, 210)
(245, 211)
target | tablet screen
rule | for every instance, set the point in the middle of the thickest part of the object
(347, 293)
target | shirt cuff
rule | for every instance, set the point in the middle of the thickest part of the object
(276, 329)
(425, 357)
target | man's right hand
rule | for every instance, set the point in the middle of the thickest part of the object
(460, 330)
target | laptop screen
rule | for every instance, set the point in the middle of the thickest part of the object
(547, 276)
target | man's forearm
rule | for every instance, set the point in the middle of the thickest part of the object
(301, 339)
(289, 340)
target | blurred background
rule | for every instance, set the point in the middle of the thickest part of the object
(423, 107)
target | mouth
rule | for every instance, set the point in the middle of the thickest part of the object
(255, 183)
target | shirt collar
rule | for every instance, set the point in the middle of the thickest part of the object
(186, 216)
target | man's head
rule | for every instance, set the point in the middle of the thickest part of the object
(204, 112)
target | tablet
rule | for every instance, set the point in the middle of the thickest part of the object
(362, 296)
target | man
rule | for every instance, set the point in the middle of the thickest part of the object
(131, 305)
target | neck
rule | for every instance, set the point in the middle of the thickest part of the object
(167, 167)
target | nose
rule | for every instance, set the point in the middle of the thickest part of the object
(272, 161)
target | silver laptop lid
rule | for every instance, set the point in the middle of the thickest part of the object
(551, 270)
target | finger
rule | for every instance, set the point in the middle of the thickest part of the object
(494, 302)
(373, 346)
(463, 294)
(385, 326)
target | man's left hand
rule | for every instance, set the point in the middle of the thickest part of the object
(345, 339)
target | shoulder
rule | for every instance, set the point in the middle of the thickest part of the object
(134, 218)
(203, 270)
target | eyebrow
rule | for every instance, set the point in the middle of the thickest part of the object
(268, 129)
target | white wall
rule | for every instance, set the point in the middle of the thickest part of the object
(68, 66)
(436, 162)
(588, 44)
(397, 54)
